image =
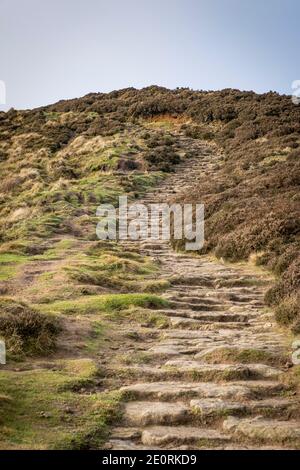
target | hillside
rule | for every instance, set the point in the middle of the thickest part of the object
(59, 162)
(79, 315)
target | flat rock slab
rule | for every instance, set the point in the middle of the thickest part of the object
(206, 317)
(264, 429)
(144, 413)
(195, 335)
(120, 444)
(212, 406)
(261, 387)
(199, 324)
(166, 390)
(169, 350)
(164, 435)
(259, 370)
(125, 433)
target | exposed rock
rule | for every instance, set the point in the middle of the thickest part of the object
(264, 429)
(166, 390)
(145, 413)
(164, 435)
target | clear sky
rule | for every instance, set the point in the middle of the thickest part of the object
(55, 49)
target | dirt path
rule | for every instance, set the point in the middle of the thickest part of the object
(212, 379)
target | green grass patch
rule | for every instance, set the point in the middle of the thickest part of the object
(107, 266)
(97, 335)
(55, 252)
(138, 357)
(9, 263)
(41, 410)
(104, 303)
(146, 317)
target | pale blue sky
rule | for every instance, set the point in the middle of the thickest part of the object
(55, 49)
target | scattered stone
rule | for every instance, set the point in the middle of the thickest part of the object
(296, 344)
(69, 410)
(45, 414)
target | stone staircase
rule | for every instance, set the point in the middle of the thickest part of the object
(213, 377)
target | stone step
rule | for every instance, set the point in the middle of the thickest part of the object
(175, 390)
(199, 281)
(216, 406)
(211, 317)
(216, 294)
(125, 432)
(185, 322)
(122, 444)
(264, 430)
(209, 407)
(198, 307)
(191, 300)
(197, 343)
(251, 345)
(234, 370)
(240, 282)
(223, 334)
(144, 413)
(191, 335)
(192, 371)
(165, 435)
(166, 350)
(186, 390)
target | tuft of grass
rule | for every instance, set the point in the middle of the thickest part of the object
(6, 258)
(108, 303)
(139, 357)
(25, 330)
(56, 251)
(106, 265)
(154, 286)
(9, 264)
(98, 329)
(287, 313)
(146, 317)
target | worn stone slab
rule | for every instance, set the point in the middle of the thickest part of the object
(164, 435)
(264, 429)
(175, 390)
(143, 413)
(211, 406)
(248, 370)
